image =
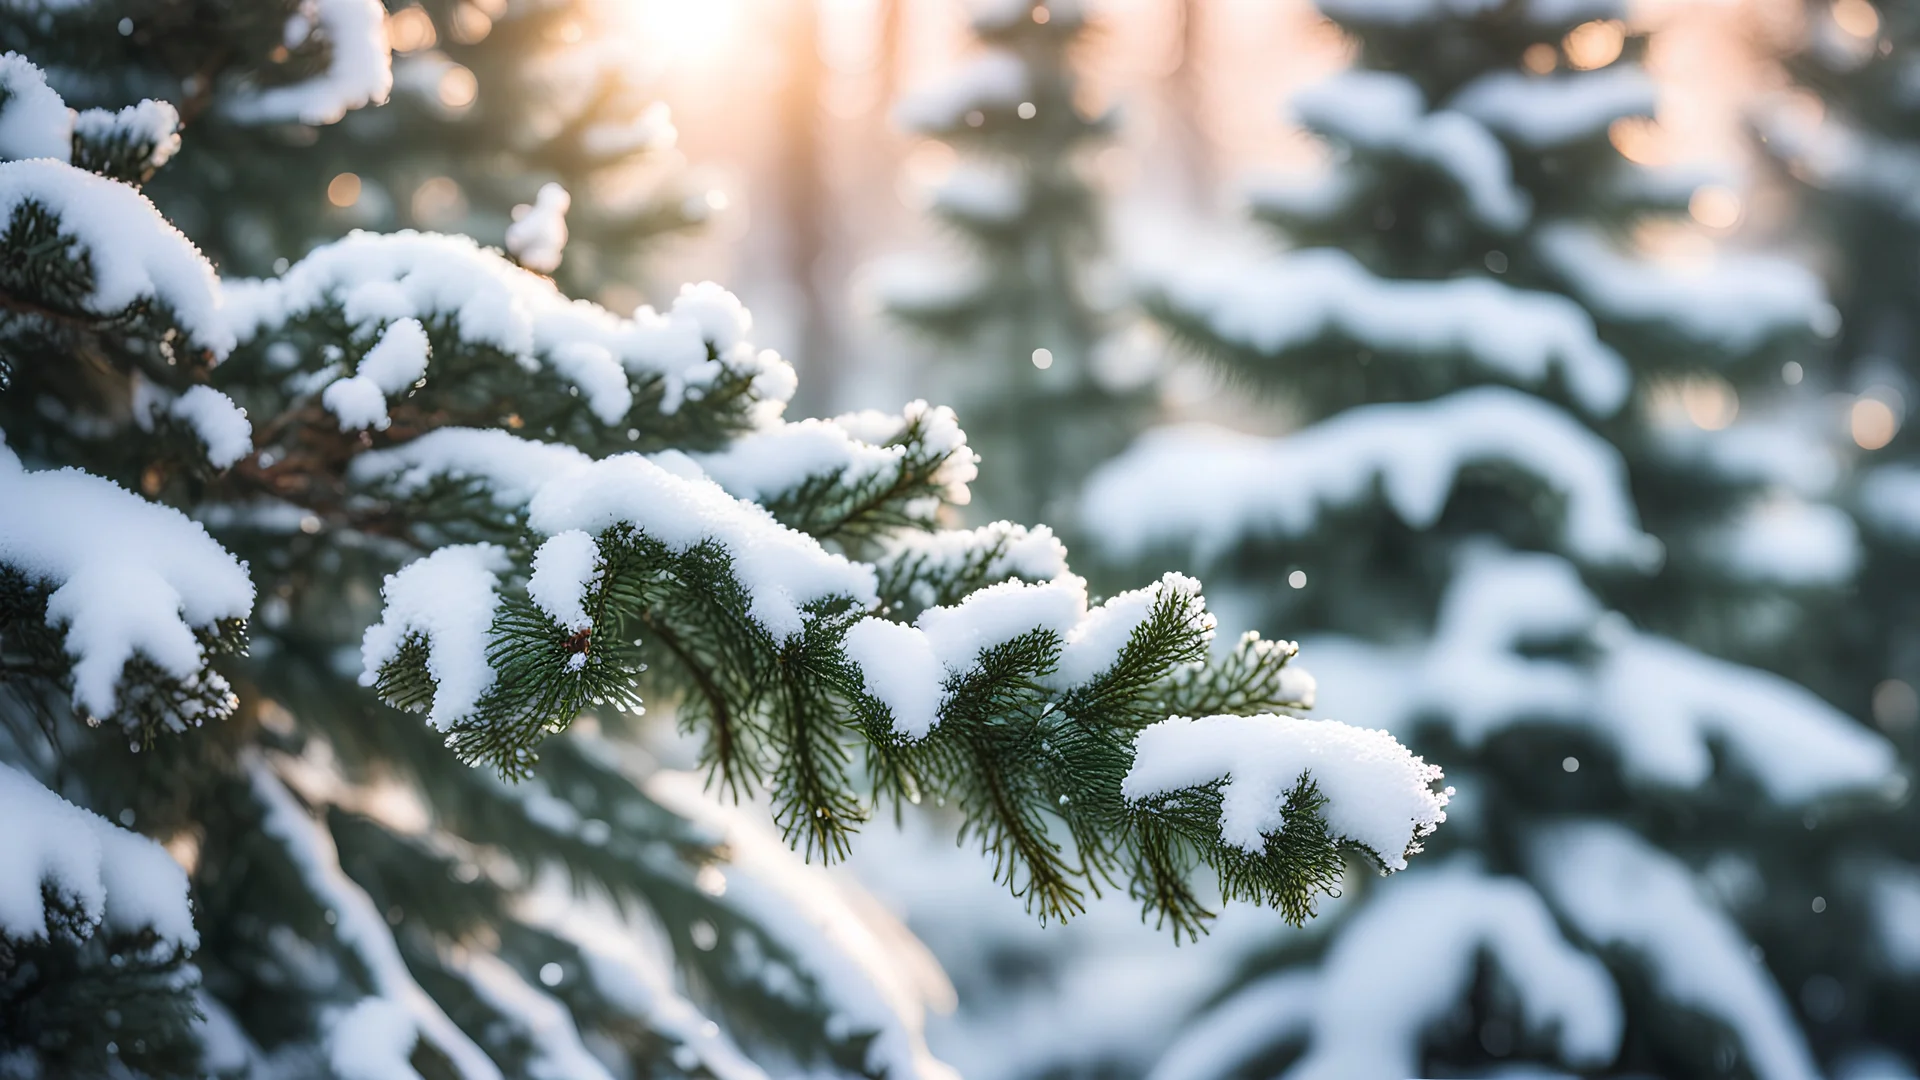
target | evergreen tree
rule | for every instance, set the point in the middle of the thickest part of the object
(1527, 536)
(1851, 171)
(1024, 321)
(242, 514)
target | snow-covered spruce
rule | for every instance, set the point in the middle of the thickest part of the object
(66, 541)
(1213, 489)
(1323, 300)
(359, 66)
(481, 311)
(132, 253)
(537, 239)
(1662, 707)
(98, 875)
(630, 536)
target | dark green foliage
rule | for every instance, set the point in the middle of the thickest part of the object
(84, 1001)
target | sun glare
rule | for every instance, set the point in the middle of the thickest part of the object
(685, 32)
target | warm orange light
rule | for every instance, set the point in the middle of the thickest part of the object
(457, 87)
(1596, 44)
(1715, 207)
(1710, 402)
(438, 202)
(1540, 59)
(470, 24)
(1856, 17)
(411, 29)
(691, 33)
(343, 190)
(1873, 423)
(1041, 14)
(1638, 139)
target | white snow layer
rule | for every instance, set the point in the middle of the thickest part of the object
(151, 123)
(782, 570)
(1788, 541)
(115, 878)
(1379, 795)
(396, 361)
(487, 300)
(777, 459)
(995, 79)
(510, 469)
(1543, 112)
(1661, 705)
(1007, 551)
(1889, 499)
(128, 576)
(907, 668)
(564, 571)
(1398, 967)
(449, 598)
(1384, 113)
(556, 1052)
(359, 66)
(1619, 891)
(373, 1038)
(1294, 301)
(133, 252)
(34, 121)
(537, 239)
(221, 425)
(1206, 489)
(1731, 303)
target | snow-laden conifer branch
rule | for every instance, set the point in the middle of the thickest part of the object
(1665, 710)
(119, 599)
(1212, 490)
(1015, 699)
(1317, 309)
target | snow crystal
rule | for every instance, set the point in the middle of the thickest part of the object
(1617, 890)
(782, 570)
(1737, 304)
(133, 252)
(149, 123)
(564, 570)
(1403, 963)
(221, 424)
(1206, 489)
(128, 576)
(34, 122)
(113, 876)
(449, 598)
(359, 66)
(1313, 295)
(1378, 794)
(1384, 112)
(358, 1036)
(538, 236)
(996, 79)
(1541, 113)
(511, 468)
